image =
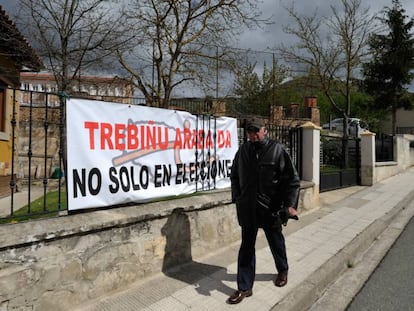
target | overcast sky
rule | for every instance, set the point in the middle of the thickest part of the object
(273, 35)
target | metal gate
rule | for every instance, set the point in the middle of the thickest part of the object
(340, 162)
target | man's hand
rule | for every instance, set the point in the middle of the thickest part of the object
(286, 214)
(292, 211)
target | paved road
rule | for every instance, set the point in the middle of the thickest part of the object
(391, 286)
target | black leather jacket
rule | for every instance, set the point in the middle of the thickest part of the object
(263, 176)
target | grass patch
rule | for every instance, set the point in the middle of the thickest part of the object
(45, 206)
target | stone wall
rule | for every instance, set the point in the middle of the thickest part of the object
(52, 264)
(404, 155)
(296, 114)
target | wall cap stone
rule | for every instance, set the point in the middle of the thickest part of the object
(304, 184)
(367, 133)
(388, 163)
(48, 229)
(85, 222)
(310, 125)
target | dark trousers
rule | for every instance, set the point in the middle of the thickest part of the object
(246, 268)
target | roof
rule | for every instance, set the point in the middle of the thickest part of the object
(13, 45)
(49, 77)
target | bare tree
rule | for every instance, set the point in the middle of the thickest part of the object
(177, 41)
(70, 35)
(332, 49)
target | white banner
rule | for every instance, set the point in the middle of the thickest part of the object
(118, 153)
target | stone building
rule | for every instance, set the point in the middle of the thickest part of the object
(108, 88)
(16, 55)
(39, 89)
(404, 122)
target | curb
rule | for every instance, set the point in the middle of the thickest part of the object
(311, 289)
(341, 293)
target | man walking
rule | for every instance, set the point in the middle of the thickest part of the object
(265, 187)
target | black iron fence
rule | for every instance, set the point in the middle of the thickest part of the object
(291, 137)
(384, 147)
(37, 156)
(36, 185)
(405, 130)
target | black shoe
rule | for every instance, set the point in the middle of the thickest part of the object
(238, 296)
(281, 279)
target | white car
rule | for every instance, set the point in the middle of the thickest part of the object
(355, 126)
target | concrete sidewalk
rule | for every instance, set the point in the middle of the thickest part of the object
(321, 247)
(20, 199)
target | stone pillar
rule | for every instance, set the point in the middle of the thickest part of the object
(310, 152)
(294, 110)
(311, 157)
(367, 158)
(276, 115)
(311, 101)
(315, 116)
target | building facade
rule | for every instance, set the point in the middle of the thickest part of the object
(404, 122)
(108, 88)
(16, 55)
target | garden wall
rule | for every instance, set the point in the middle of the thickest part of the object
(52, 264)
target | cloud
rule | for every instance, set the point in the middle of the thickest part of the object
(272, 35)
(259, 43)
(261, 39)
(9, 6)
